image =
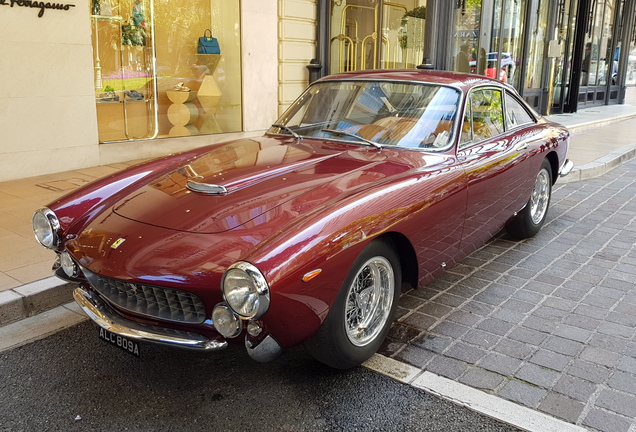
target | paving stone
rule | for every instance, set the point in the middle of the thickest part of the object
(481, 338)
(448, 328)
(627, 364)
(403, 333)
(390, 346)
(588, 371)
(623, 381)
(562, 407)
(626, 308)
(464, 318)
(450, 300)
(537, 375)
(600, 356)
(500, 363)
(528, 336)
(526, 295)
(419, 321)
(613, 329)
(591, 311)
(622, 319)
(518, 305)
(410, 302)
(447, 367)
(568, 294)
(562, 345)
(434, 309)
(606, 342)
(575, 387)
(465, 352)
(582, 322)
(415, 356)
(545, 325)
(509, 316)
(523, 393)
(478, 308)
(549, 359)
(617, 402)
(481, 379)
(514, 349)
(432, 342)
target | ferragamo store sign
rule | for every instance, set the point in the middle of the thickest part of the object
(42, 6)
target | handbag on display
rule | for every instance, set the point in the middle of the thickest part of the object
(208, 44)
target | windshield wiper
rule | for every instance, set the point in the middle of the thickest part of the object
(288, 129)
(338, 132)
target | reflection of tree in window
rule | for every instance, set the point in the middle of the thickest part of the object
(487, 114)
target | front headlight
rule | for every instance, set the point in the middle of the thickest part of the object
(245, 290)
(46, 227)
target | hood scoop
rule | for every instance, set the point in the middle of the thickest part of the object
(206, 188)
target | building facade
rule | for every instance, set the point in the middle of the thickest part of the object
(105, 81)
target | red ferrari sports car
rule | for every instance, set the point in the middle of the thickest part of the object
(369, 180)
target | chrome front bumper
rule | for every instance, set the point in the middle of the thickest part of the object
(105, 317)
(566, 168)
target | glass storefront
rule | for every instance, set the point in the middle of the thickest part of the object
(488, 39)
(151, 78)
(372, 34)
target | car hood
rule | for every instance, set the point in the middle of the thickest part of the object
(257, 176)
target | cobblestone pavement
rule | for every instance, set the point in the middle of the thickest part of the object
(549, 322)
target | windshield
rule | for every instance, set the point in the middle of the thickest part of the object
(387, 113)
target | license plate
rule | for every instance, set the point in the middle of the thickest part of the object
(129, 345)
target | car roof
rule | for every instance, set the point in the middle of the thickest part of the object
(459, 80)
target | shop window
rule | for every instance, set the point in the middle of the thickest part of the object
(150, 79)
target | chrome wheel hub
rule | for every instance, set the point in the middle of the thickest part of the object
(369, 301)
(540, 197)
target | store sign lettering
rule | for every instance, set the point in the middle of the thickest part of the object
(36, 4)
(466, 34)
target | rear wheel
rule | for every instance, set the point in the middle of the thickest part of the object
(530, 220)
(361, 315)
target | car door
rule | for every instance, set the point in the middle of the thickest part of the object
(492, 159)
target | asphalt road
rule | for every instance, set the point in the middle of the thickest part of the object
(73, 381)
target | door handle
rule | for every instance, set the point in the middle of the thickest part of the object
(522, 146)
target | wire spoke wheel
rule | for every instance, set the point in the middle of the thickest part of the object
(369, 301)
(360, 317)
(540, 196)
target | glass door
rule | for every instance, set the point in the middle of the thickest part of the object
(124, 69)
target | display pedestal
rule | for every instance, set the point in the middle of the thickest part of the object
(182, 113)
(209, 93)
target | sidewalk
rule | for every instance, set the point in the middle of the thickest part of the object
(602, 139)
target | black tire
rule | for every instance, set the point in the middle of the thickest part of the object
(340, 342)
(530, 220)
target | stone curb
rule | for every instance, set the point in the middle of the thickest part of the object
(33, 298)
(601, 165)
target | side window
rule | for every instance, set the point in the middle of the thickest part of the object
(487, 113)
(516, 114)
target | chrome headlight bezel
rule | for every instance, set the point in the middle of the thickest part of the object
(245, 290)
(46, 228)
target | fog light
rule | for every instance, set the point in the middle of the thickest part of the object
(254, 328)
(68, 265)
(225, 321)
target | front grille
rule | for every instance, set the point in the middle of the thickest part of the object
(148, 300)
